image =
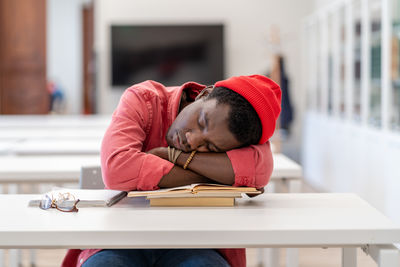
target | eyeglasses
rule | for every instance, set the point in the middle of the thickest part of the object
(65, 202)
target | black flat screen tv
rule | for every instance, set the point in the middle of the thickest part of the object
(169, 54)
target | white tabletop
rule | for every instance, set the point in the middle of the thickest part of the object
(284, 167)
(44, 169)
(7, 145)
(292, 220)
(54, 121)
(57, 147)
(22, 133)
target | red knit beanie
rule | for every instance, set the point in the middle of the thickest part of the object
(263, 94)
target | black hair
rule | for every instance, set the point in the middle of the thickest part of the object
(244, 122)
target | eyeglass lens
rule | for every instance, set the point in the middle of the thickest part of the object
(46, 202)
(64, 202)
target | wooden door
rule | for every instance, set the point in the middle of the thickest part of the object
(88, 59)
(23, 57)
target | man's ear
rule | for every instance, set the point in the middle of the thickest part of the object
(205, 92)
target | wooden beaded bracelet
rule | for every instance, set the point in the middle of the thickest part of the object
(189, 159)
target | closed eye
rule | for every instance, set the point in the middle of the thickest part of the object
(200, 125)
(201, 122)
(211, 147)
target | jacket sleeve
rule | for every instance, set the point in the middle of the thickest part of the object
(125, 166)
(252, 165)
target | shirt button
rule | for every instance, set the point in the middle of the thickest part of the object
(81, 261)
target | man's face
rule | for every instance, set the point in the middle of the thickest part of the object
(202, 126)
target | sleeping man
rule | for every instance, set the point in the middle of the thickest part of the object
(217, 134)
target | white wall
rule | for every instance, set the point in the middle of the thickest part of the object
(321, 3)
(343, 157)
(64, 50)
(247, 24)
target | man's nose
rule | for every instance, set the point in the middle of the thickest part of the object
(195, 140)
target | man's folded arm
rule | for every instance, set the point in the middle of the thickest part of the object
(249, 166)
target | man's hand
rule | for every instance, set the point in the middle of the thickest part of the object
(161, 152)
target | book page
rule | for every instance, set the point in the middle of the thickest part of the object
(194, 188)
(184, 188)
(217, 187)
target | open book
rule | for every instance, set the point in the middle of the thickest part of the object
(196, 190)
(195, 195)
(87, 197)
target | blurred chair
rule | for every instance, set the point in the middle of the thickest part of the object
(91, 178)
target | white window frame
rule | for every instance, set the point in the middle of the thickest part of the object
(317, 32)
(365, 61)
(386, 82)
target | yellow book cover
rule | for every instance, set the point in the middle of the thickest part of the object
(198, 194)
(193, 202)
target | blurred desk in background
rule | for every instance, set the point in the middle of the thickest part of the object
(21, 133)
(52, 134)
(57, 147)
(7, 145)
(286, 169)
(44, 169)
(51, 121)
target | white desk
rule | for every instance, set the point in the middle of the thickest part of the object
(284, 167)
(50, 168)
(34, 167)
(35, 170)
(270, 220)
(288, 170)
(6, 146)
(21, 133)
(57, 147)
(44, 169)
(52, 121)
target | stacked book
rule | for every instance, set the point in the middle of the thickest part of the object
(202, 195)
